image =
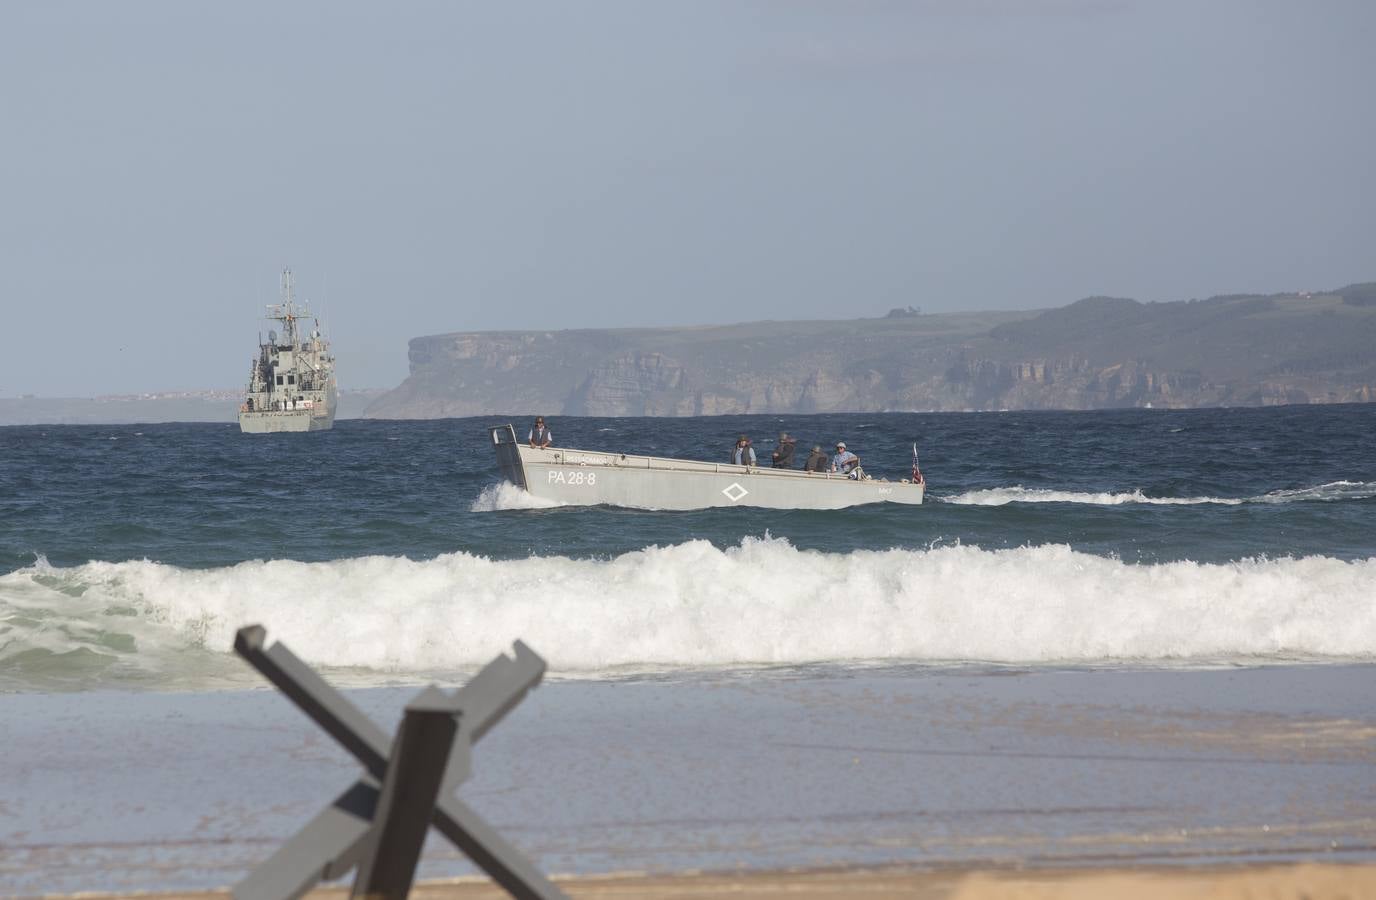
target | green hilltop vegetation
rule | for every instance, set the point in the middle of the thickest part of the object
(1097, 353)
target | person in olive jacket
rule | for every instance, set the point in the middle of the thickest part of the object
(816, 460)
(783, 454)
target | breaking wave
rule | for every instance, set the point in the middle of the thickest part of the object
(1334, 490)
(687, 605)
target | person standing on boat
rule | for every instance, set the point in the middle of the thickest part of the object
(816, 460)
(540, 436)
(744, 454)
(845, 462)
(783, 454)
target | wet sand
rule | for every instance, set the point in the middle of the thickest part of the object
(855, 778)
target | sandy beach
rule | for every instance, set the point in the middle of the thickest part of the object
(869, 783)
(1305, 881)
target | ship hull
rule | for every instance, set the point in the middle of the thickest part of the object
(587, 478)
(271, 422)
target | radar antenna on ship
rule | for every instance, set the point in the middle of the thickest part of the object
(285, 311)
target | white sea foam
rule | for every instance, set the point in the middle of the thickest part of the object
(694, 605)
(1334, 490)
(505, 495)
(1019, 494)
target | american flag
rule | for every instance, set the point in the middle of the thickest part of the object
(917, 473)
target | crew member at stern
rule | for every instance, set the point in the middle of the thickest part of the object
(845, 462)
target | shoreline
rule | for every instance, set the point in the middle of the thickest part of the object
(766, 782)
(1310, 880)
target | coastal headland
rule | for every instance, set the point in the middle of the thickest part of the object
(1098, 353)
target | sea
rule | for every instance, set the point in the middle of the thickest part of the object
(1139, 568)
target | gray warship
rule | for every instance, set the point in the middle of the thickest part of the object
(291, 386)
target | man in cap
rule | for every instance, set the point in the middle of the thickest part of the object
(816, 460)
(845, 462)
(783, 454)
(744, 454)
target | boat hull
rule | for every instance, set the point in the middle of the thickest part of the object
(273, 421)
(586, 478)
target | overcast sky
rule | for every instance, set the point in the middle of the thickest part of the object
(433, 167)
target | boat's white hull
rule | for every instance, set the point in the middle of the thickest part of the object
(584, 478)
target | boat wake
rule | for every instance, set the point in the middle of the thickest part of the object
(691, 605)
(505, 495)
(1334, 490)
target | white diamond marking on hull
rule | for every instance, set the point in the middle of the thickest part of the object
(734, 492)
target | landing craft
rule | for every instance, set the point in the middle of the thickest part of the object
(589, 478)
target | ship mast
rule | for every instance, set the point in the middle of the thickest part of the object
(286, 313)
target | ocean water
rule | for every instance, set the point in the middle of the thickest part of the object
(389, 553)
(1137, 637)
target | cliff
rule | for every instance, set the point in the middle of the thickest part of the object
(1095, 354)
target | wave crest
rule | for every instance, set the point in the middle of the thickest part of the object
(692, 604)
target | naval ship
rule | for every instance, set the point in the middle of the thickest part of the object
(291, 385)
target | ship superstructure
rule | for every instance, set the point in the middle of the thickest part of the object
(291, 385)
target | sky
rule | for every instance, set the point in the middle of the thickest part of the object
(427, 167)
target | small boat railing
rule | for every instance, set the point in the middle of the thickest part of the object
(505, 436)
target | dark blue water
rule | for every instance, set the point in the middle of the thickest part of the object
(204, 495)
(381, 550)
(1071, 543)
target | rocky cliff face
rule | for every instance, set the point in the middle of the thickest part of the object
(1096, 354)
